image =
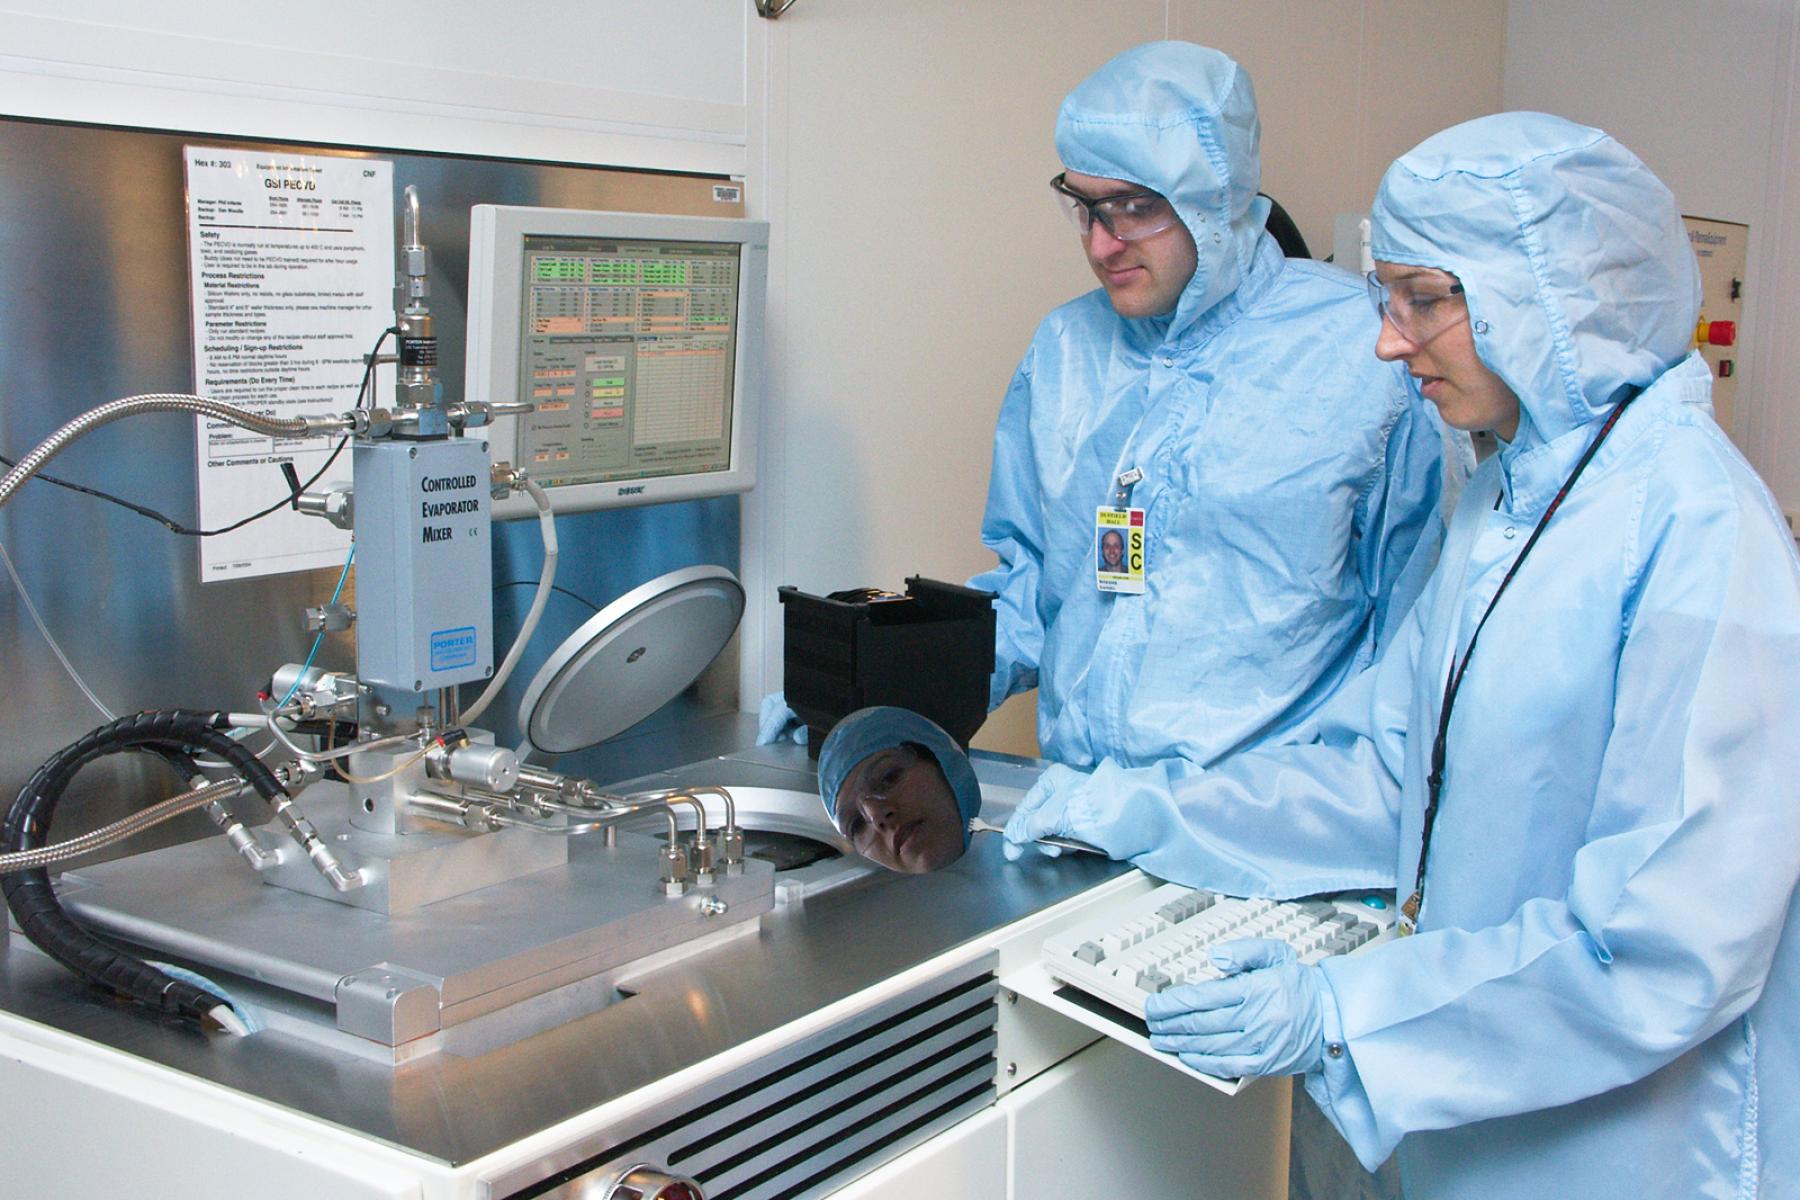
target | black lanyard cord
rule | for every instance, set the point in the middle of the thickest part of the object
(1459, 667)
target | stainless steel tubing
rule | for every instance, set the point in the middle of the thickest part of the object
(302, 831)
(608, 812)
(586, 812)
(668, 812)
(452, 809)
(678, 797)
(486, 814)
(702, 790)
(118, 831)
(730, 839)
(501, 817)
(130, 406)
(489, 812)
(550, 783)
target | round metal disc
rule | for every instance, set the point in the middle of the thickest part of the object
(630, 659)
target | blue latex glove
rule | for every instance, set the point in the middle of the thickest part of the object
(1044, 813)
(775, 720)
(1266, 1017)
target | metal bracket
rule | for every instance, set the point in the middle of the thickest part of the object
(388, 1004)
(770, 9)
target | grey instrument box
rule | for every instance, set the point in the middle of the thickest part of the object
(425, 615)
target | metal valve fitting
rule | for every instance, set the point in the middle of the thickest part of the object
(488, 767)
(328, 618)
(674, 878)
(336, 504)
(703, 859)
(730, 850)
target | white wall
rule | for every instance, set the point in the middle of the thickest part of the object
(1705, 96)
(916, 247)
(619, 83)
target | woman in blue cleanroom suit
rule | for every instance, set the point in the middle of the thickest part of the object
(1290, 482)
(1603, 998)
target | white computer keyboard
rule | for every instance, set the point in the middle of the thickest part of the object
(1162, 938)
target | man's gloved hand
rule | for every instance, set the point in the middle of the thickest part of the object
(1266, 1017)
(775, 720)
(1044, 813)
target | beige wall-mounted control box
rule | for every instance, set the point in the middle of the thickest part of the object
(1720, 247)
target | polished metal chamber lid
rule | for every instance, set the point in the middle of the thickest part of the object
(630, 659)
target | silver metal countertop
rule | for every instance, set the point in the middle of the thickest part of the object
(461, 1104)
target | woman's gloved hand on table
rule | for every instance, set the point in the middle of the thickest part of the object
(1044, 812)
(1266, 1017)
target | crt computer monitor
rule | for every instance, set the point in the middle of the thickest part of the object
(639, 339)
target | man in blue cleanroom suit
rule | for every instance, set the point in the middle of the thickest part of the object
(1604, 995)
(1290, 482)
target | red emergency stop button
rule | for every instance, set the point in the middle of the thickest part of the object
(1721, 333)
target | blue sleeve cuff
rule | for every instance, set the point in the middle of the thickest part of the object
(1338, 1091)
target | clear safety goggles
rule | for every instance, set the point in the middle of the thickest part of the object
(1129, 216)
(1420, 308)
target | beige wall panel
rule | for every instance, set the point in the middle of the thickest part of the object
(1427, 65)
(1691, 92)
(917, 247)
(1346, 86)
(922, 249)
(1302, 56)
(1706, 99)
(1772, 427)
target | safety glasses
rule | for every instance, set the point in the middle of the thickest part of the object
(1419, 308)
(1129, 216)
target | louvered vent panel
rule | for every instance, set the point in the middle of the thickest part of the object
(823, 1110)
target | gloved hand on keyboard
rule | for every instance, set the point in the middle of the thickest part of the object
(1044, 812)
(775, 721)
(1266, 1017)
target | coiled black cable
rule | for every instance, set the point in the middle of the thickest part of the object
(172, 734)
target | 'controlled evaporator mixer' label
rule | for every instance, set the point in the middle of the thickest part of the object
(436, 507)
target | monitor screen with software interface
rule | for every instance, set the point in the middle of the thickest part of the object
(637, 337)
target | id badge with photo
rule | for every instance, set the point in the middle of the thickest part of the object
(1119, 550)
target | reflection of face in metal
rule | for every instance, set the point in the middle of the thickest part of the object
(1112, 551)
(897, 809)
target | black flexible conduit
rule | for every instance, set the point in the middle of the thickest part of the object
(171, 734)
